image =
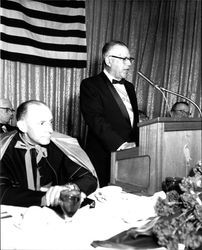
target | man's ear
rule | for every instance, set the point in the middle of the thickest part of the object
(22, 126)
(107, 61)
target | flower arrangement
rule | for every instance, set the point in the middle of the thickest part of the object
(180, 214)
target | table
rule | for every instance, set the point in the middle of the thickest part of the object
(37, 228)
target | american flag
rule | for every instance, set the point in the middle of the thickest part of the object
(51, 33)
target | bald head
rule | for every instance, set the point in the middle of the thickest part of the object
(6, 111)
(34, 120)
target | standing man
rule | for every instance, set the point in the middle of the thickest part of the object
(109, 107)
(6, 115)
(36, 162)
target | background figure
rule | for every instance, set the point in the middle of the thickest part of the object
(180, 110)
(142, 116)
(33, 168)
(6, 115)
(109, 107)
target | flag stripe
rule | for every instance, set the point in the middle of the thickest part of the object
(67, 3)
(39, 14)
(43, 61)
(40, 30)
(48, 53)
(10, 31)
(44, 31)
(37, 22)
(44, 46)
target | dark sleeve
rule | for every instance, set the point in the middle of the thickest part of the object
(94, 112)
(12, 193)
(13, 183)
(72, 172)
(17, 196)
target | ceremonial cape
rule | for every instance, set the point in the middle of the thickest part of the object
(67, 144)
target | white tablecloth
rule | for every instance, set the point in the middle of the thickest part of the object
(37, 228)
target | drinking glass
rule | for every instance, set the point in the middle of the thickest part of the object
(70, 200)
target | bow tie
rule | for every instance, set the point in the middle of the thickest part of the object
(118, 82)
(41, 152)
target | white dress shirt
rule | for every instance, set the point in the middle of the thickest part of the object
(121, 90)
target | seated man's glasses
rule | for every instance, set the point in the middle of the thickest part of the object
(8, 109)
(125, 59)
(185, 113)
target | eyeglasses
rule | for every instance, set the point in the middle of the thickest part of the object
(125, 59)
(8, 109)
(184, 112)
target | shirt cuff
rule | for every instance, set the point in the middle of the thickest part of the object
(122, 146)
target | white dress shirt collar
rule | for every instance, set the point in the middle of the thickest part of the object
(110, 77)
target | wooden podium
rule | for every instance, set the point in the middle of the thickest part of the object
(168, 147)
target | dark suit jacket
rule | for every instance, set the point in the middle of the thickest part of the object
(108, 121)
(55, 169)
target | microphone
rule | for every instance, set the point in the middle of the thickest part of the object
(162, 90)
(148, 80)
(157, 87)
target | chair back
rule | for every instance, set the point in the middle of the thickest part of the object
(130, 170)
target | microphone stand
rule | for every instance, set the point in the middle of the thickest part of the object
(162, 90)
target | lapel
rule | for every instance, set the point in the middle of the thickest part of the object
(5, 140)
(132, 100)
(116, 97)
(130, 94)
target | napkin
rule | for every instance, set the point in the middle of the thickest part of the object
(132, 209)
(35, 214)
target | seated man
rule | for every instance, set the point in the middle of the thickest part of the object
(36, 163)
(6, 115)
(180, 110)
(142, 116)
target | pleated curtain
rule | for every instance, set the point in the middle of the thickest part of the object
(164, 37)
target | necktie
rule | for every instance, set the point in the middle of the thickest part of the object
(118, 82)
(41, 152)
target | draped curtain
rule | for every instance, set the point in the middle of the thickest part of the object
(164, 37)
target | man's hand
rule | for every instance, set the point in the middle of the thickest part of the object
(127, 145)
(51, 198)
(83, 196)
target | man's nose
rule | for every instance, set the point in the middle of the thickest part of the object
(128, 62)
(50, 128)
